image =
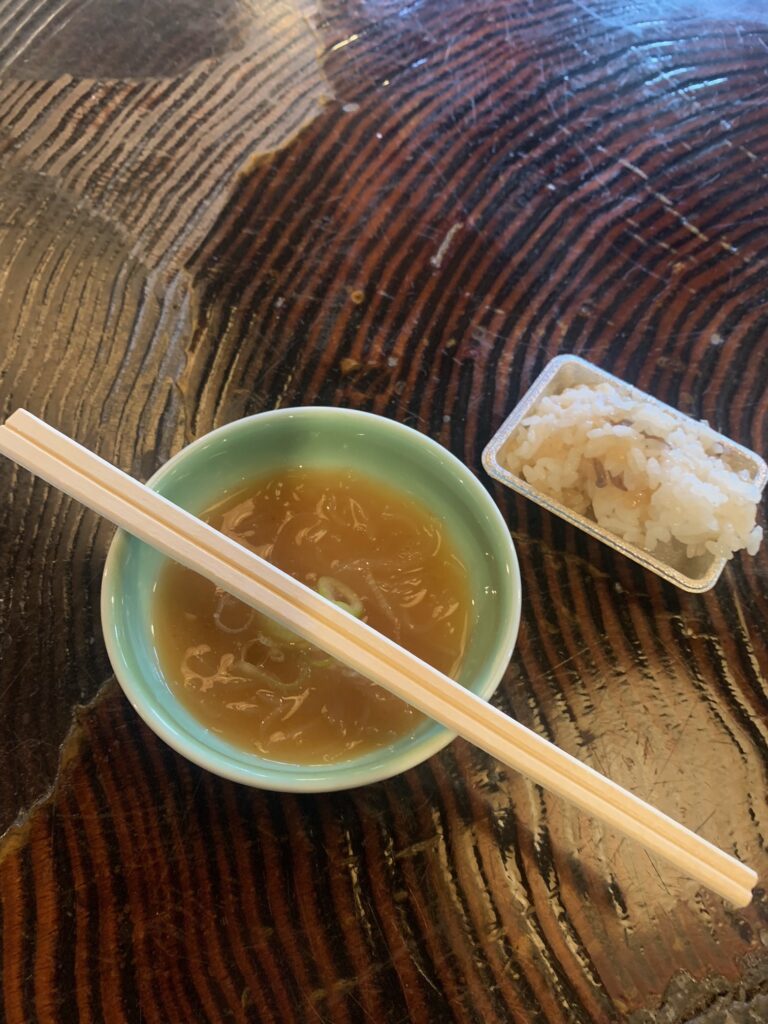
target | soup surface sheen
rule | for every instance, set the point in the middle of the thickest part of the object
(375, 551)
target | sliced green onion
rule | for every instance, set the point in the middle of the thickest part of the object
(341, 595)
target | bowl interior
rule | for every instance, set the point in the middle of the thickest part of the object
(316, 437)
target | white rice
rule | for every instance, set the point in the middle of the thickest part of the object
(651, 478)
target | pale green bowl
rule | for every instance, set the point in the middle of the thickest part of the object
(313, 436)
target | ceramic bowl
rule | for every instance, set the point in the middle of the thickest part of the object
(229, 457)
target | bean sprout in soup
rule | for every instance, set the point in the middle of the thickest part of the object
(378, 553)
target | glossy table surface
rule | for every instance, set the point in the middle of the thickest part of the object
(209, 209)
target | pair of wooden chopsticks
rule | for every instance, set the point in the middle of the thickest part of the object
(178, 534)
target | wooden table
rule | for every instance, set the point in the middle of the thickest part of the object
(214, 207)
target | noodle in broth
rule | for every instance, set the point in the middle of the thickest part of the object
(376, 552)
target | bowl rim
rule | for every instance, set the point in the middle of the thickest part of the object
(287, 777)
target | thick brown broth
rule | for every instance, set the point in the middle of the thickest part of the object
(379, 552)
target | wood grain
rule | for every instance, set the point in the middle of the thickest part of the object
(408, 209)
(91, 311)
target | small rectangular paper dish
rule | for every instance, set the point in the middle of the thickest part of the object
(660, 487)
